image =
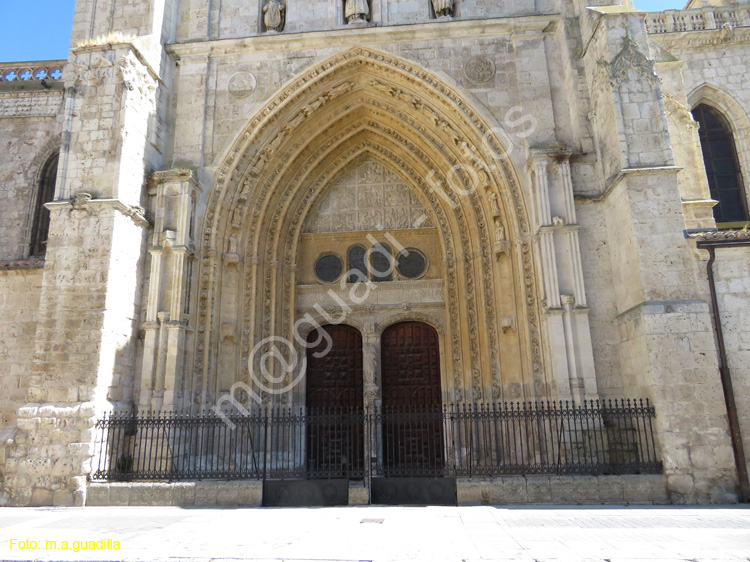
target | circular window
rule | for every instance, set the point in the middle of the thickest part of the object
(411, 264)
(328, 268)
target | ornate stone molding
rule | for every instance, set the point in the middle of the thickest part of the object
(85, 202)
(680, 111)
(249, 184)
(631, 59)
(722, 236)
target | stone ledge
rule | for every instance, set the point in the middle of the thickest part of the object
(512, 490)
(564, 490)
(247, 493)
(30, 263)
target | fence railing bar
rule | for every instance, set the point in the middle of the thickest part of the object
(467, 440)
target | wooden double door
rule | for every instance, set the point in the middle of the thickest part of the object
(410, 440)
(412, 425)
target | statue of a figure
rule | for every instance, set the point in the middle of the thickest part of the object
(499, 231)
(357, 11)
(443, 7)
(274, 15)
(494, 203)
(232, 245)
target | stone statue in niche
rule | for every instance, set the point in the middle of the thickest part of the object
(499, 231)
(273, 15)
(494, 204)
(237, 217)
(357, 11)
(232, 245)
(443, 7)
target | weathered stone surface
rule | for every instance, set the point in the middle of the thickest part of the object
(564, 273)
(538, 489)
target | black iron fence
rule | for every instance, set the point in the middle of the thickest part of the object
(613, 437)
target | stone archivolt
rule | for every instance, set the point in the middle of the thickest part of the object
(361, 102)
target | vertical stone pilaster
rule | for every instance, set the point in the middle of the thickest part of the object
(667, 348)
(371, 366)
(167, 322)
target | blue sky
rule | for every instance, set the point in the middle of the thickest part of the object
(35, 29)
(40, 29)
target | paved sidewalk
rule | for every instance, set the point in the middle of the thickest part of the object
(435, 534)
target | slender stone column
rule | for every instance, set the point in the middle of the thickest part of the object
(172, 252)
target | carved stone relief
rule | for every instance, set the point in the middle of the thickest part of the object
(250, 182)
(479, 69)
(357, 11)
(242, 84)
(273, 15)
(442, 7)
(369, 197)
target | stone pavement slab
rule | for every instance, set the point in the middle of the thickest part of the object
(377, 534)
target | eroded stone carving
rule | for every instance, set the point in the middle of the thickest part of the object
(631, 59)
(357, 11)
(443, 7)
(81, 200)
(479, 69)
(494, 204)
(273, 15)
(242, 84)
(499, 231)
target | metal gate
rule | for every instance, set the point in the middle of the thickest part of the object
(335, 445)
(411, 417)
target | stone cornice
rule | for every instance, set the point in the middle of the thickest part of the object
(177, 174)
(29, 263)
(722, 237)
(80, 201)
(27, 92)
(125, 46)
(697, 39)
(615, 180)
(346, 37)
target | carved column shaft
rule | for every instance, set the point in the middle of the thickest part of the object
(574, 246)
(549, 265)
(170, 254)
(568, 196)
(543, 210)
(571, 347)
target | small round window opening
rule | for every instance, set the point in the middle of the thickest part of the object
(411, 264)
(328, 268)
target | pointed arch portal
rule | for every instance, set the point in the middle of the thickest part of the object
(363, 102)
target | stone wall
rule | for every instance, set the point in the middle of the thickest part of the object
(732, 276)
(30, 123)
(713, 67)
(565, 490)
(546, 490)
(237, 18)
(19, 301)
(47, 460)
(602, 121)
(30, 133)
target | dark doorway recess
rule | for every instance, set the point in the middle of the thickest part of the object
(335, 421)
(411, 416)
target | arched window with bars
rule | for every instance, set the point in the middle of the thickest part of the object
(45, 194)
(722, 166)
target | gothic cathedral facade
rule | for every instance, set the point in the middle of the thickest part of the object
(391, 208)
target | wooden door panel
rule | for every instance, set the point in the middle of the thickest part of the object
(412, 398)
(335, 432)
